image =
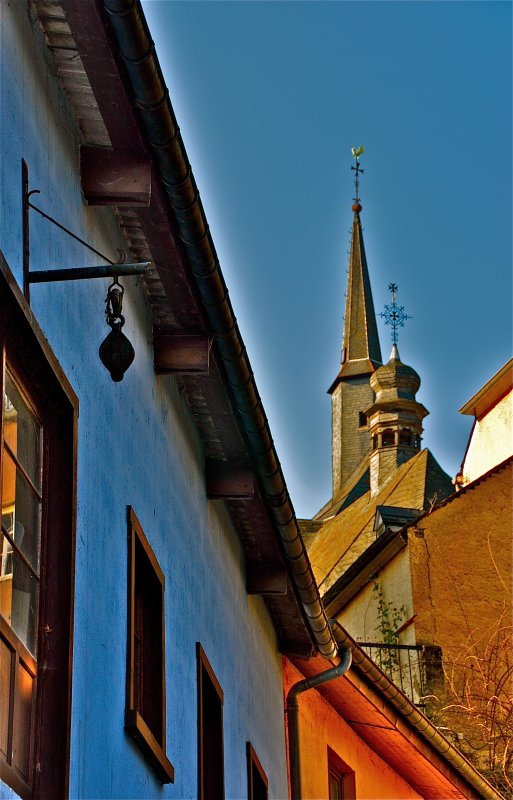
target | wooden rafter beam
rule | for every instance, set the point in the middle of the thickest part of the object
(179, 353)
(265, 580)
(115, 178)
(228, 481)
(90, 33)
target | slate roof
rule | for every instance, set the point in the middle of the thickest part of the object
(395, 379)
(418, 483)
(356, 485)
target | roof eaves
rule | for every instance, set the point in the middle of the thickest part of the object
(159, 124)
(493, 390)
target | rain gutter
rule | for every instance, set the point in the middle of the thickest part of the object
(366, 667)
(293, 716)
(137, 52)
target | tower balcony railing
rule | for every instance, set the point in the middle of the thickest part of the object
(406, 665)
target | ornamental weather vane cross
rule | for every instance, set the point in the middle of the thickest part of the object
(357, 151)
(393, 314)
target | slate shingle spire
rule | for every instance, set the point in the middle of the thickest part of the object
(361, 352)
(351, 392)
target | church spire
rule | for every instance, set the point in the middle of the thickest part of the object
(361, 352)
(351, 391)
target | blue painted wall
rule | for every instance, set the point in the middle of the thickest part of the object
(137, 446)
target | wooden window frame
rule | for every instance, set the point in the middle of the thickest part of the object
(203, 665)
(31, 362)
(153, 749)
(19, 655)
(343, 773)
(254, 763)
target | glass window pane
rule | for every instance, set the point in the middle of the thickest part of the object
(5, 691)
(6, 568)
(22, 432)
(335, 787)
(148, 643)
(5, 550)
(22, 721)
(19, 596)
(21, 511)
(258, 784)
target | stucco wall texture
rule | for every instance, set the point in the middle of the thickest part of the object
(462, 595)
(137, 446)
(462, 565)
(321, 727)
(491, 441)
(360, 617)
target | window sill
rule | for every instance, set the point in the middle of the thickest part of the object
(10, 776)
(139, 731)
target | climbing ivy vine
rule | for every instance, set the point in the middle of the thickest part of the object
(390, 618)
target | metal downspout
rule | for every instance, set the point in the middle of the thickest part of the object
(293, 716)
(154, 109)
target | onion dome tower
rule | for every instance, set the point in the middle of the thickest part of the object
(351, 392)
(395, 419)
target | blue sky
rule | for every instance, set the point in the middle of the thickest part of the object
(270, 97)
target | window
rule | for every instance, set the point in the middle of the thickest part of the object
(210, 731)
(340, 778)
(362, 419)
(20, 544)
(37, 541)
(145, 714)
(257, 779)
(388, 438)
(405, 436)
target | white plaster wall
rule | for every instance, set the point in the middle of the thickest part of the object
(360, 615)
(137, 445)
(491, 440)
(361, 618)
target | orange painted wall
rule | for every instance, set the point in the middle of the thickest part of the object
(462, 578)
(461, 565)
(320, 726)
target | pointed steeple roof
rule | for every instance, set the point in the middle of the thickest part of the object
(361, 352)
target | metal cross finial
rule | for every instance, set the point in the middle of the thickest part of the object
(393, 314)
(357, 151)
